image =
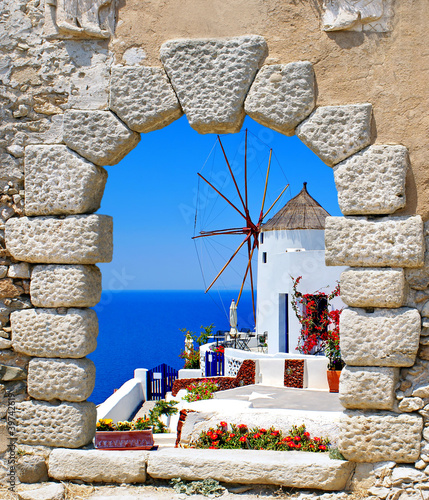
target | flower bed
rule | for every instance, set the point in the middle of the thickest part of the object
(245, 376)
(257, 438)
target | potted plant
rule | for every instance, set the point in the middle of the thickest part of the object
(124, 435)
(333, 352)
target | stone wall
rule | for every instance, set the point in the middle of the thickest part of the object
(72, 104)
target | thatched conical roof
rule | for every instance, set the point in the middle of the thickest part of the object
(301, 212)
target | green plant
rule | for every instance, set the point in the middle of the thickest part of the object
(124, 426)
(161, 407)
(105, 424)
(191, 355)
(142, 424)
(258, 438)
(201, 390)
(206, 487)
(335, 454)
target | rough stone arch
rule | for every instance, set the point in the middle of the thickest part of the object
(216, 82)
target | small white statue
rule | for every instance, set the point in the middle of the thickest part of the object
(351, 14)
(79, 18)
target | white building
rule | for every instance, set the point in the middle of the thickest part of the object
(291, 245)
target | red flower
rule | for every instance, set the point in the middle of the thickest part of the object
(298, 446)
(316, 440)
(322, 447)
(263, 431)
(243, 439)
(213, 437)
(297, 438)
(232, 435)
(275, 433)
(256, 436)
(223, 424)
(306, 435)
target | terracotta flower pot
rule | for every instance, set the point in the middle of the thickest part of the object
(334, 380)
(124, 440)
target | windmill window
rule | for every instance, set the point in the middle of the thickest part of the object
(262, 238)
(264, 257)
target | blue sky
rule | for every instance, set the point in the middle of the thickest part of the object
(153, 193)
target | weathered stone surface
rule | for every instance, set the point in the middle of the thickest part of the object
(47, 492)
(8, 373)
(65, 286)
(373, 287)
(406, 474)
(419, 278)
(9, 289)
(294, 469)
(98, 136)
(424, 352)
(19, 270)
(77, 239)
(46, 333)
(356, 241)
(67, 425)
(379, 436)
(5, 344)
(411, 404)
(59, 181)
(143, 98)
(282, 95)
(417, 378)
(95, 466)
(336, 132)
(386, 337)
(63, 379)
(372, 181)
(211, 78)
(369, 387)
(32, 469)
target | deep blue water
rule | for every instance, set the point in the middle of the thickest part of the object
(140, 329)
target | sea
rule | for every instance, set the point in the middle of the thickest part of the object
(141, 329)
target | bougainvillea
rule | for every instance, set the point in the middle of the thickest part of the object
(320, 326)
(258, 438)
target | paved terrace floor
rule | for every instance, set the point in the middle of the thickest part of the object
(284, 397)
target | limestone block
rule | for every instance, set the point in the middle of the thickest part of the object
(8, 373)
(19, 270)
(49, 334)
(98, 136)
(293, 469)
(143, 98)
(336, 132)
(59, 181)
(52, 491)
(94, 466)
(65, 286)
(372, 181)
(411, 404)
(373, 287)
(63, 379)
(282, 95)
(380, 436)
(419, 278)
(356, 241)
(386, 337)
(211, 78)
(67, 425)
(32, 469)
(368, 387)
(77, 239)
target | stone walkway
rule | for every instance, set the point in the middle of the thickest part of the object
(284, 398)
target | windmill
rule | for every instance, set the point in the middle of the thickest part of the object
(248, 228)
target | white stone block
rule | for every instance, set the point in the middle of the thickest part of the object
(52, 491)
(19, 270)
(59, 181)
(65, 286)
(95, 466)
(76, 239)
(211, 78)
(67, 425)
(63, 379)
(368, 387)
(380, 436)
(386, 337)
(99, 136)
(291, 469)
(282, 96)
(336, 132)
(384, 242)
(372, 181)
(49, 334)
(143, 98)
(373, 287)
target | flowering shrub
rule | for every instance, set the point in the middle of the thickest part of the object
(142, 424)
(201, 390)
(320, 327)
(258, 438)
(106, 424)
(190, 354)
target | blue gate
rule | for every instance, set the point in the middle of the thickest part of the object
(160, 381)
(215, 362)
